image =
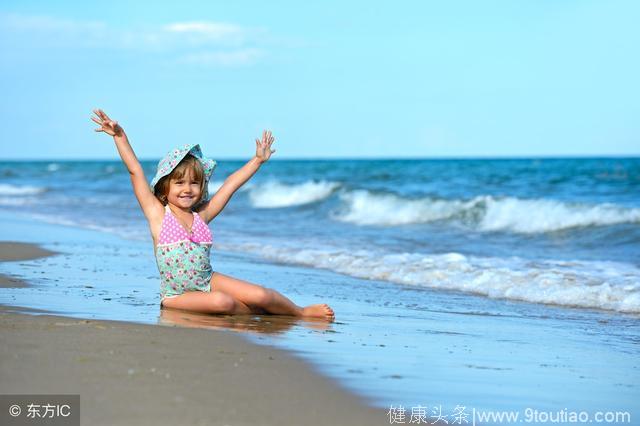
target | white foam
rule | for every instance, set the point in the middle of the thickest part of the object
(274, 194)
(366, 208)
(214, 186)
(532, 216)
(53, 167)
(484, 213)
(603, 285)
(16, 201)
(20, 190)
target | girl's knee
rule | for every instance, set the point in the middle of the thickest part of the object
(222, 303)
(264, 296)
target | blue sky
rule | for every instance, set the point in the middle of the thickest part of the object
(331, 79)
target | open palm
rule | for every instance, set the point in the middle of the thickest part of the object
(263, 147)
(106, 124)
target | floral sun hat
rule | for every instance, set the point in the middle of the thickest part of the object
(173, 158)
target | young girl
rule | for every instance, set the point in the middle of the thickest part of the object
(178, 209)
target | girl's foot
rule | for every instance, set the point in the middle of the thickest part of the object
(321, 310)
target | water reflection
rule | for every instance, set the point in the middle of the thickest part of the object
(250, 323)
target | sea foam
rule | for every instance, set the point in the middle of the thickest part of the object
(483, 213)
(20, 190)
(274, 194)
(586, 284)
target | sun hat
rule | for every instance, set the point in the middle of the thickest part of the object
(173, 158)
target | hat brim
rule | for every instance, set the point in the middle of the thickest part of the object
(170, 161)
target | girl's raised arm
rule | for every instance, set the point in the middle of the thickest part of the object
(239, 177)
(150, 205)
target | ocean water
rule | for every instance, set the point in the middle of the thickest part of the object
(492, 284)
(564, 232)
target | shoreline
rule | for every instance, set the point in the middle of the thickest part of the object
(11, 251)
(427, 348)
(176, 375)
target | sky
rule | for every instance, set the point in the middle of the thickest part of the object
(331, 79)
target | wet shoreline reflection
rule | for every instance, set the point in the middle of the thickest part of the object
(251, 323)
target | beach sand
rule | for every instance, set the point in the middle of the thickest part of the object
(12, 251)
(140, 374)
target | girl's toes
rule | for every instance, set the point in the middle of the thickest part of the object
(318, 311)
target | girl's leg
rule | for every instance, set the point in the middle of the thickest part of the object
(266, 298)
(205, 302)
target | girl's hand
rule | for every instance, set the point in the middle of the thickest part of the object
(263, 147)
(107, 125)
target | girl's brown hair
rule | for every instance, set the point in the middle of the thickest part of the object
(161, 190)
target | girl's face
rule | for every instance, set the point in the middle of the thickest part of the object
(184, 192)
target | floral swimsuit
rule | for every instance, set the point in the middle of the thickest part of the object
(183, 258)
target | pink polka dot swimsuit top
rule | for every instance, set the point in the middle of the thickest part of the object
(183, 257)
(172, 231)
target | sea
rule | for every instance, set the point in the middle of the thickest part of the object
(560, 231)
(486, 284)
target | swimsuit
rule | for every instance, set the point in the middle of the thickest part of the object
(182, 258)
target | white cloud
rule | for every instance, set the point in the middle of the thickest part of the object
(192, 42)
(209, 30)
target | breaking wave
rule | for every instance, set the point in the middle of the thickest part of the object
(275, 194)
(484, 213)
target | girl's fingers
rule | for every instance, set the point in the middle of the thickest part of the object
(99, 122)
(98, 130)
(104, 116)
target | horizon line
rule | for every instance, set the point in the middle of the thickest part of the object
(346, 158)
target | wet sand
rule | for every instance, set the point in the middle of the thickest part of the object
(129, 373)
(11, 251)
